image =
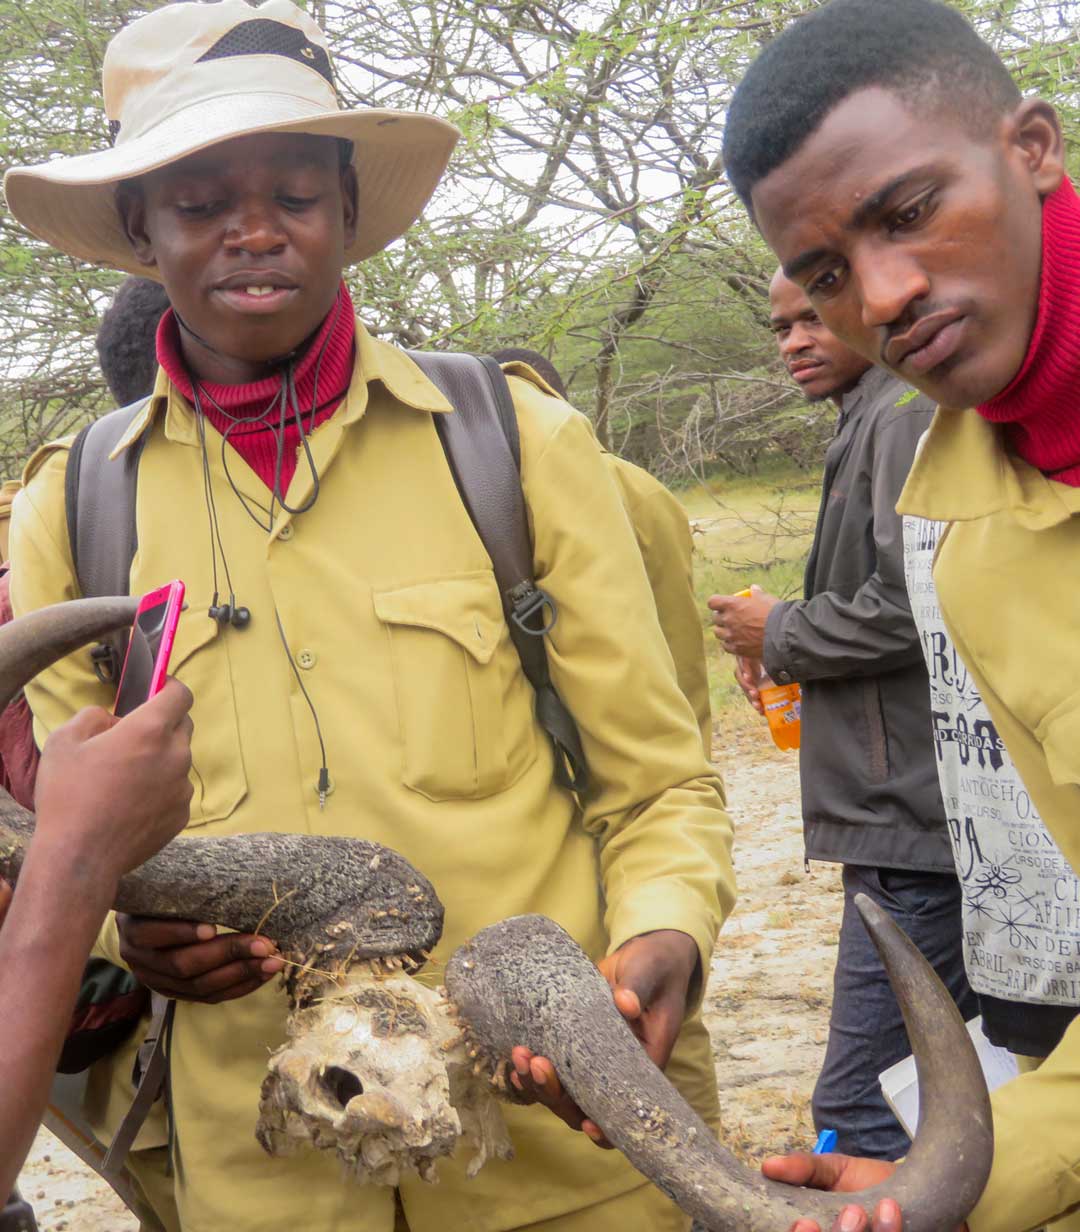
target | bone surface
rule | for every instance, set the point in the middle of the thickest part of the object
(375, 1071)
(525, 981)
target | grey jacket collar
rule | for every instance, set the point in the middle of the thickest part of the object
(872, 384)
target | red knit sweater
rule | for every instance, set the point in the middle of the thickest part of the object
(1041, 405)
(321, 384)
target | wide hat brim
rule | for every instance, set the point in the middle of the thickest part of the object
(399, 156)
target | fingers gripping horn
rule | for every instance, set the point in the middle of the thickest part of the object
(28, 646)
(525, 981)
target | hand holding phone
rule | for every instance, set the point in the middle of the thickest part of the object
(146, 663)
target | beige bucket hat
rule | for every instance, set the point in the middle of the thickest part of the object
(189, 76)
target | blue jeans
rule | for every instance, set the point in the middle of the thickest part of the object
(866, 1031)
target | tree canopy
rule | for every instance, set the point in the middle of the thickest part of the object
(585, 214)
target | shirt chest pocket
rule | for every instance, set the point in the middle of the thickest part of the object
(465, 710)
(200, 661)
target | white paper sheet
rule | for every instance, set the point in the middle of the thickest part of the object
(901, 1088)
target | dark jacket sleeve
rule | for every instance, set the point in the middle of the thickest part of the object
(872, 631)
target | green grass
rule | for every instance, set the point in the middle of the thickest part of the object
(747, 530)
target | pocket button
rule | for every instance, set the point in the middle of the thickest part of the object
(306, 659)
(286, 533)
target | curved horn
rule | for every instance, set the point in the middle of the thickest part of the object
(525, 981)
(327, 902)
(34, 642)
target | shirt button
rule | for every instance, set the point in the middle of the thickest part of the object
(306, 659)
(784, 677)
(286, 533)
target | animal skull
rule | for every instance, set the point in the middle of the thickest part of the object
(376, 1070)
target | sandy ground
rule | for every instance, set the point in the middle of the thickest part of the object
(767, 1004)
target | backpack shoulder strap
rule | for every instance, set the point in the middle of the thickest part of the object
(482, 447)
(99, 499)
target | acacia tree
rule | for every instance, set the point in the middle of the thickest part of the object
(591, 161)
(585, 211)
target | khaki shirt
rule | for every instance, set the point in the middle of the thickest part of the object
(1006, 575)
(391, 612)
(664, 537)
(7, 496)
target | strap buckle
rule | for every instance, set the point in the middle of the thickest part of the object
(529, 602)
(106, 663)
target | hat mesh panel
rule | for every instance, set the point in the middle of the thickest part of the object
(263, 37)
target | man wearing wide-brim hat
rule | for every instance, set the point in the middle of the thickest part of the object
(290, 467)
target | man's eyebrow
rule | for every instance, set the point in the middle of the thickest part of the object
(867, 209)
(878, 200)
(794, 268)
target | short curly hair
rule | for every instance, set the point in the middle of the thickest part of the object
(920, 49)
(540, 364)
(125, 339)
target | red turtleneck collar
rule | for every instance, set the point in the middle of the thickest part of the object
(1041, 405)
(321, 384)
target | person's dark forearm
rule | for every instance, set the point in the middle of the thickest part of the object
(59, 904)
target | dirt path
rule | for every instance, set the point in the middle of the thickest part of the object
(767, 1005)
(66, 1196)
(768, 1002)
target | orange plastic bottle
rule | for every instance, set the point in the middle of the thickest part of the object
(783, 705)
(783, 709)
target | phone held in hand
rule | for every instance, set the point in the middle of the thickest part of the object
(146, 663)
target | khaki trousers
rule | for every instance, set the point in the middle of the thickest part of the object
(150, 1169)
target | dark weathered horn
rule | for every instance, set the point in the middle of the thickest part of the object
(525, 981)
(34, 642)
(325, 901)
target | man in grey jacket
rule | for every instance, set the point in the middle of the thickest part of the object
(869, 780)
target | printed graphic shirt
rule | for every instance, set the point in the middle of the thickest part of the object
(1021, 899)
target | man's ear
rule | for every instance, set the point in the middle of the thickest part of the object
(1036, 131)
(349, 194)
(131, 206)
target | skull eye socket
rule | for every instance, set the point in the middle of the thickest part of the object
(340, 1085)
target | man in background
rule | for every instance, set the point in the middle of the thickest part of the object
(663, 534)
(126, 339)
(869, 783)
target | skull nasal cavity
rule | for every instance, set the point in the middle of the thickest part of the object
(340, 1084)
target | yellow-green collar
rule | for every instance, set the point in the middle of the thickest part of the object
(375, 361)
(964, 471)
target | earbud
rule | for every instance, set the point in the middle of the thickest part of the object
(230, 614)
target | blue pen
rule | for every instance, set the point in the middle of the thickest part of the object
(826, 1142)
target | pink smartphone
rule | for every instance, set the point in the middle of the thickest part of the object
(146, 663)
